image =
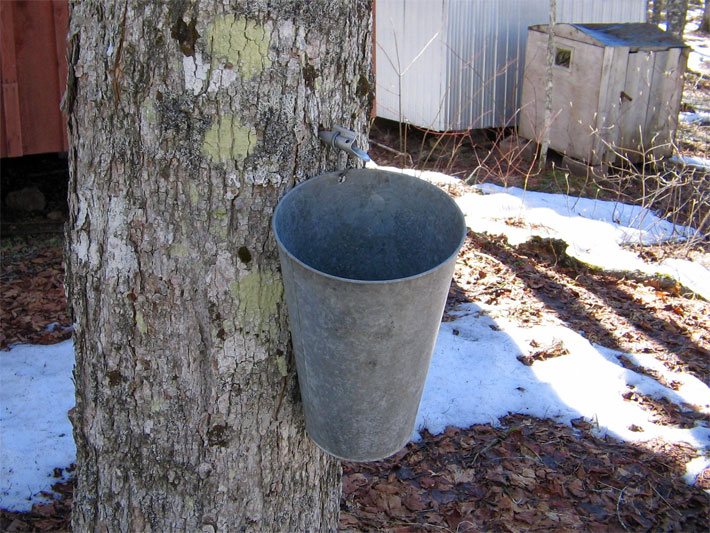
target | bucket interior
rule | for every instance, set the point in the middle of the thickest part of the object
(369, 225)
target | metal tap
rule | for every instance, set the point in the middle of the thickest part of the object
(343, 139)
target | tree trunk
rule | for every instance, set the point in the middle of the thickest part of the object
(188, 121)
(548, 118)
(705, 23)
(676, 13)
(657, 11)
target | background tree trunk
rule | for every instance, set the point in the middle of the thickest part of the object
(676, 13)
(188, 121)
(551, 51)
(705, 23)
(657, 11)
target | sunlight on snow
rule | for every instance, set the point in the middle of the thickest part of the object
(475, 376)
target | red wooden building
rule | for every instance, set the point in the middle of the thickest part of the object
(33, 70)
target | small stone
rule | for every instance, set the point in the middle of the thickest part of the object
(17, 525)
(56, 216)
(27, 199)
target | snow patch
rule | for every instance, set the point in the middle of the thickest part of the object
(701, 163)
(476, 378)
(694, 468)
(594, 230)
(437, 178)
(701, 118)
(36, 391)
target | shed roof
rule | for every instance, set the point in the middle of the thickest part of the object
(635, 35)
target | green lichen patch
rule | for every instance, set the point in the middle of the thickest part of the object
(282, 365)
(240, 42)
(148, 112)
(220, 213)
(194, 193)
(140, 323)
(258, 294)
(220, 223)
(178, 250)
(228, 139)
(220, 231)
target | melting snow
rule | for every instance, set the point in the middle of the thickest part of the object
(36, 391)
(475, 376)
(702, 163)
(701, 118)
(594, 230)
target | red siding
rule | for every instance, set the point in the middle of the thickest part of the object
(33, 70)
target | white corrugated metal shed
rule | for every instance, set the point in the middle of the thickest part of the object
(458, 64)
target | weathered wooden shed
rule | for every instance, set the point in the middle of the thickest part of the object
(616, 90)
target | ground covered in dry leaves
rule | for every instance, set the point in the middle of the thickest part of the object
(527, 474)
(530, 474)
(32, 296)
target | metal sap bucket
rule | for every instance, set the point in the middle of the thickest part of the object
(367, 258)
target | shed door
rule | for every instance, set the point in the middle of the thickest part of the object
(634, 101)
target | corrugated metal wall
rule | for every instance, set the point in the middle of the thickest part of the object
(457, 64)
(409, 49)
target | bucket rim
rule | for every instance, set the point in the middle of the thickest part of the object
(406, 177)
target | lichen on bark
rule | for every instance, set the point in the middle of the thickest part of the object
(243, 44)
(182, 347)
(259, 295)
(229, 140)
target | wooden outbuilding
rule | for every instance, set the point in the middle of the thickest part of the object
(616, 90)
(33, 72)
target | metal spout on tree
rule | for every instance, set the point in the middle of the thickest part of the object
(343, 139)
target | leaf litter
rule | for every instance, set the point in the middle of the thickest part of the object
(527, 473)
(522, 472)
(33, 308)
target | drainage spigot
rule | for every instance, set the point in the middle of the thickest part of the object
(343, 139)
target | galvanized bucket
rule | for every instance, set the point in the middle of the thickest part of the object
(367, 258)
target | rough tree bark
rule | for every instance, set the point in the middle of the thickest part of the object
(705, 23)
(189, 119)
(657, 11)
(676, 14)
(545, 141)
